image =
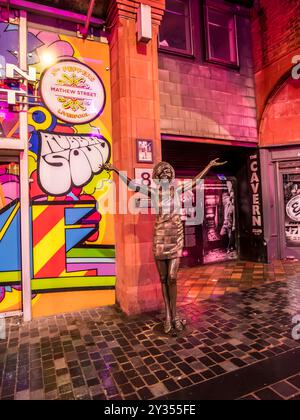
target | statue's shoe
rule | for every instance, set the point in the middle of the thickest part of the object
(179, 323)
(167, 326)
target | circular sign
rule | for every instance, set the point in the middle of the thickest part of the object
(293, 208)
(73, 92)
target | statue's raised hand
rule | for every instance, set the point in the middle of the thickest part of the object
(216, 162)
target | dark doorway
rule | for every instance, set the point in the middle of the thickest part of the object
(188, 159)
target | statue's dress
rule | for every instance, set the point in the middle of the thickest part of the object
(168, 231)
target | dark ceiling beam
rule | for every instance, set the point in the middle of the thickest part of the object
(246, 3)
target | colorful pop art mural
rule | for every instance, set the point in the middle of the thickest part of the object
(69, 138)
(10, 243)
(9, 47)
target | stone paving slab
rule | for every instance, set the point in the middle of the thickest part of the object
(211, 281)
(102, 354)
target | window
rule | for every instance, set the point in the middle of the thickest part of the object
(221, 36)
(175, 29)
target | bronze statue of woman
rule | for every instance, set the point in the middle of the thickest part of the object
(168, 238)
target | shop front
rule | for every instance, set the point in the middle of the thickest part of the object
(282, 202)
(57, 248)
(280, 165)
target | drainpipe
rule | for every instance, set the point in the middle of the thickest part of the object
(24, 178)
(85, 30)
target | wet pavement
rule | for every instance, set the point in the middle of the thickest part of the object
(210, 281)
(238, 345)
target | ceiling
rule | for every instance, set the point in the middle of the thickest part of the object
(100, 9)
(247, 3)
(78, 6)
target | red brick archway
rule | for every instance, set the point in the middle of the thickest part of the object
(280, 122)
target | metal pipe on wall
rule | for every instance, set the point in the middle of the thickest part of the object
(24, 179)
(88, 19)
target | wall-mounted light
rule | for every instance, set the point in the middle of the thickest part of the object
(144, 23)
(47, 59)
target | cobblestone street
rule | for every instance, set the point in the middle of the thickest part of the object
(238, 344)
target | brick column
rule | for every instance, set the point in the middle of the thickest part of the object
(135, 114)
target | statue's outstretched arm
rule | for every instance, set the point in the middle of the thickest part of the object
(128, 181)
(202, 174)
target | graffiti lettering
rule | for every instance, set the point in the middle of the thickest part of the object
(67, 227)
(71, 249)
(65, 162)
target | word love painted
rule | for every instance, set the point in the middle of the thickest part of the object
(255, 190)
(65, 162)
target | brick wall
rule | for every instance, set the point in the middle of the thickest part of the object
(206, 100)
(275, 30)
(280, 123)
(276, 39)
(135, 114)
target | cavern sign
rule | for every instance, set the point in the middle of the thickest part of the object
(12, 72)
(256, 205)
(72, 92)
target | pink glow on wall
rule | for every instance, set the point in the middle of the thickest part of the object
(280, 123)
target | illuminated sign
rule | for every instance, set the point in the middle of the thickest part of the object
(10, 71)
(296, 68)
(72, 92)
(256, 202)
(293, 208)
